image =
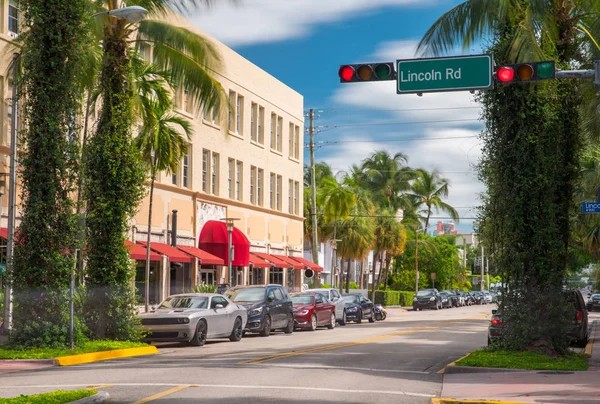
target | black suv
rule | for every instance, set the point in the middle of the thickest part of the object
(427, 299)
(269, 308)
(579, 333)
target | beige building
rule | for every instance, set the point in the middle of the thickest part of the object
(247, 165)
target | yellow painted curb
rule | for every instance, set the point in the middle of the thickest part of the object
(590, 344)
(442, 370)
(105, 355)
(458, 401)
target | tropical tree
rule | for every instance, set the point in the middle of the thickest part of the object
(114, 174)
(427, 191)
(163, 142)
(357, 237)
(387, 177)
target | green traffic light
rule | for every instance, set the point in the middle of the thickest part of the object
(545, 70)
(382, 71)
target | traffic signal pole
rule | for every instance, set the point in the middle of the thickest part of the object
(313, 189)
(581, 74)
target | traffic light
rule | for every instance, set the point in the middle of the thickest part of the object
(526, 72)
(367, 72)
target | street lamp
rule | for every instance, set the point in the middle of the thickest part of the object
(230, 226)
(131, 14)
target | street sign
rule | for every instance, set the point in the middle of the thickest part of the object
(590, 207)
(433, 276)
(457, 73)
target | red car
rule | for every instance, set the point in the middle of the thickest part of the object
(312, 310)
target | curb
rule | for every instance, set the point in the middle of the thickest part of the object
(42, 362)
(457, 401)
(590, 345)
(104, 355)
(452, 369)
(99, 397)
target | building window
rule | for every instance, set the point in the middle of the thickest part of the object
(177, 97)
(187, 102)
(261, 125)
(291, 196)
(174, 177)
(296, 197)
(291, 140)
(144, 51)
(272, 191)
(259, 187)
(278, 140)
(185, 171)
(205, 157)
(231, 164)
(273, 130)
(238, 180)
(253, 122)
(239, 115)
(231, 110)
(214, 174)
(297, 142)
(278, 195)
(13, 17)
(253, 185)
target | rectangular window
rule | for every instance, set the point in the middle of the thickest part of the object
(279, 189)
(238, 180)
(291, 140)
(174, 177)
(185, 172)
(177, 97)
(143, 51)
(273, 130)
(187, 102)
(278, 141)
(230, 178)
(239, 115)
(259, 187)
(214, 174)
(253, 122)
(13, 17)
(291, 196)
(253, 185)
(205, 158)
(261, 125)
(272, 191)
(296, 197)
(297, 142)
(231, 110)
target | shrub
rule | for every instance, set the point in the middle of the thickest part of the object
(354, 285)
(326, 285)
(387, 298)
(406, 298)
(204, 288)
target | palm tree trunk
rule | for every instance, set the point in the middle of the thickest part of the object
(348, 276)
(341, 275)
(388, 261)
(147, 278)
(361, 283)
(375, 257)
(381, 270)
(80, 178)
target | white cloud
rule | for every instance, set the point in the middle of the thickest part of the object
(262, 21)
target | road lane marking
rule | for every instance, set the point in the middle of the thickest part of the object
(302, 366)
(590, 344)
(163, 394)
(290, 354)
(100, 386)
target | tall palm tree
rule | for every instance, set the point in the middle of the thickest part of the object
(357, 238)
(387, 177)
(427, 191)
(163, 142)
(390, 237)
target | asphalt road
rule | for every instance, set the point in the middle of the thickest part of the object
(398, 360)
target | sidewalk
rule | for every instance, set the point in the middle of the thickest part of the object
(469, 383)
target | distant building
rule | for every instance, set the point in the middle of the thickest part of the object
(445, 229)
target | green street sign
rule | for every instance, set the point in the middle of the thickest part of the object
(456, 73)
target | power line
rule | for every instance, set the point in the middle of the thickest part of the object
(396, 123)
(414, 139)
(347, 110)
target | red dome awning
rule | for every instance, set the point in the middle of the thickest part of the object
(213, 239)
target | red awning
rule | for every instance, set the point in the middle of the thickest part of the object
(308, 263)
(214, 237)
(279, 263)
(289, 261)
(4, 233)
(258, 262)
(173, 253)
(204, 257)
(136, 252)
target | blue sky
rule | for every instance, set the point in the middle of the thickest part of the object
(303, 43)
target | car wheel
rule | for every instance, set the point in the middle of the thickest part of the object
(489, 341)
(313, 323)
(581, 343)
(331, 325)
(359, 317)
(266, 330)
(372, 318)
(237, 332)
(290, 324)
(199, 337)
(437, 306)
(343, 320)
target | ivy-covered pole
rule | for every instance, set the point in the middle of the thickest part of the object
(53, 41)
(113, 189)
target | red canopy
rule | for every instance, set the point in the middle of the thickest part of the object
(204, 257)
(173, 253)
(213, 238)
(289, 261)
(258, 262)
(308, 263)
(136, 251)
(279, 263)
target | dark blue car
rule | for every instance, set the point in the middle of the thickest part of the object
(358, 308)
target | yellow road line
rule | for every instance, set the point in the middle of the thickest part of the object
(163, 394)
(590, 344)
(100, 386)
(354, 343)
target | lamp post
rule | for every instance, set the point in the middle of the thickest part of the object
(131, 14)
(230, 225)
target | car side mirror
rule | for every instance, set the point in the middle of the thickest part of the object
(270, 299)
(219, 306)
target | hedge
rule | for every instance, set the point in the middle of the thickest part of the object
(394, 298)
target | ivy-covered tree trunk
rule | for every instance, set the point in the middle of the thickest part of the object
(530, 165)
(53, 41)
(113, 189)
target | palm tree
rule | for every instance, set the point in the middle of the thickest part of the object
(427, 192)
(357, 238)
(387, 177)
(390, 237)
(163, 146)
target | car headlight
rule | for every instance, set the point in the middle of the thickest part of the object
(301, 312)
(255, 312)
(432, 298)
(183, 320)
(351, 309)
(415, 299)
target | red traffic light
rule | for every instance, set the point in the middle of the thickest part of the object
(346, 73)
(367, 72)
(505, 74)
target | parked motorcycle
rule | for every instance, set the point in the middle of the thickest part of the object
(380, 313)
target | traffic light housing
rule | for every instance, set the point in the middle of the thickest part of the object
(367, 72)
(526, 72)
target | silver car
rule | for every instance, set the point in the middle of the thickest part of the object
(193, 318)
(333, 295)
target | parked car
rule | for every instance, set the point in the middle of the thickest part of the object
(460, 300)
(194, 318)
(312, 310)
(269, 308)
(477, 297)
(333, 295)
(593, 302)
(467, 298)
(358, 308)
(427, 299)
(579, 333)
(452, 297)
(487, 297)
(446, 299)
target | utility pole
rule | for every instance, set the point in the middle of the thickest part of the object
(482, 268)
(313, 189)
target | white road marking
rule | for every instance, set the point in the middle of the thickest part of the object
(308, 366)
(223, 386)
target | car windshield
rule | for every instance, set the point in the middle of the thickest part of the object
(302, 299)
(246, 294)
(424, 293)
(185, 302)
(596, 296)
(351, 298)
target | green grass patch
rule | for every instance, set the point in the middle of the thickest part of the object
(55, 397)
(524, 360)
(49, 353)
